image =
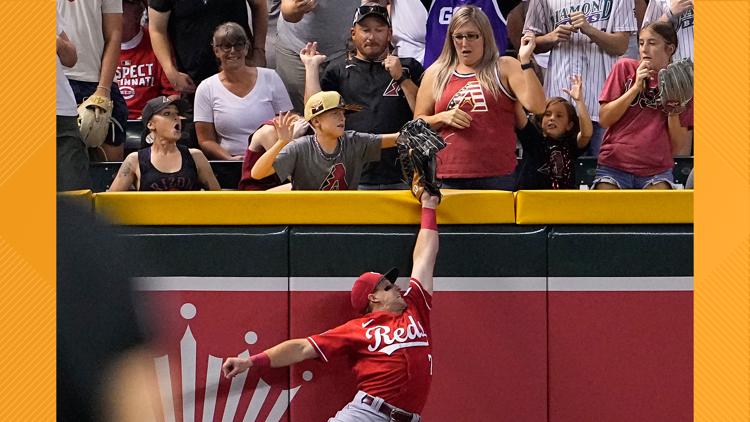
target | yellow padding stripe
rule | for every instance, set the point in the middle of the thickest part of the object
(335, 208)
(604, 207)
(83, 198)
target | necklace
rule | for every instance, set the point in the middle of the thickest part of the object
(328, 157)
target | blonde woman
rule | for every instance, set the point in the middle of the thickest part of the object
(468, 95)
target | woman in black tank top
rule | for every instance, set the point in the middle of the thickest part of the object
(186, 178)
(165, 166)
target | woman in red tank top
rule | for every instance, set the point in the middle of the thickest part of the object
(468, 95)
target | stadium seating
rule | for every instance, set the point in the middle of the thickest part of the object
(228, 172)
(133, 131)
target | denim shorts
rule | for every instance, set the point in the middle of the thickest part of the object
(625, 180)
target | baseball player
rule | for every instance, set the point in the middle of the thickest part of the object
(390, 344)
(584, 37)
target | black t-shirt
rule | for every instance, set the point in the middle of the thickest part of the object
(386, 109)
(547, 163)
(191, 27)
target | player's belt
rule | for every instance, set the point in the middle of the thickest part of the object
(395, 414)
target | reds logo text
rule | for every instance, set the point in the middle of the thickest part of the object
(400, 338)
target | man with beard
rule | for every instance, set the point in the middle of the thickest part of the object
(372, 76)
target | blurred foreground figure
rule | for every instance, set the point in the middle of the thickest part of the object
(103, 370)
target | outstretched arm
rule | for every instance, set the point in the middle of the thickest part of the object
(388, 140)
(426, 249)
(524, 82)
(281, 355)
(311, 59)
(584, 119)
(284, 125)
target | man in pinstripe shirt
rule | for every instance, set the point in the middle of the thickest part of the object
(680, 14)
(584, 37)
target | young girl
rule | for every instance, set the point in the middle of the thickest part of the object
(261, 141)
(551, 141)
(637, 148)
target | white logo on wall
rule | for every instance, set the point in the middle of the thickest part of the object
(188, 356)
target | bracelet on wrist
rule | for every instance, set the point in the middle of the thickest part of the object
(529, 65)
(103, 87)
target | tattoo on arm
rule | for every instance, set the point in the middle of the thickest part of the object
(125, 170)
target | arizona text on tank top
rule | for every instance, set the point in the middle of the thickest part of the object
(186, 178)
(487, 148)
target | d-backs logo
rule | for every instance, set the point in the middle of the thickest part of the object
(392, 90)
(336, 179)
(647, 98)
(595, 11)
(385, 341)
(470, 98)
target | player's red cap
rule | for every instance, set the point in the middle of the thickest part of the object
(365, 284)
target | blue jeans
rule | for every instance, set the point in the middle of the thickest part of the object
(625, 180)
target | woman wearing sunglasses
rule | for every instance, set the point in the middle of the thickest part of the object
(232, 104)
(468, 95)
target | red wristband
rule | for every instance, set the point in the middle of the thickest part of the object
(429, 220)
(261, 360)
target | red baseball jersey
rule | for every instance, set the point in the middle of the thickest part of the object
(391, 354)
(140, 76)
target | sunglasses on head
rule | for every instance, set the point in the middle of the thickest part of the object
(364, 10)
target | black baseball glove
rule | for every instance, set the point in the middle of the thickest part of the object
(676, 86)
(417, 146)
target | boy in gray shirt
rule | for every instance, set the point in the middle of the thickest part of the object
(330, 159)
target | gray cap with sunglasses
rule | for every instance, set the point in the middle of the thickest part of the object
(371, 9)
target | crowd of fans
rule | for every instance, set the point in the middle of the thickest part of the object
(310, 94)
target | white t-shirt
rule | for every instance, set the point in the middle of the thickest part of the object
(235, 118)
(83, 25)
(409, 20)
(66, 101)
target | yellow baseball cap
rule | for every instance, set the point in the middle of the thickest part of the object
(323, 101)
